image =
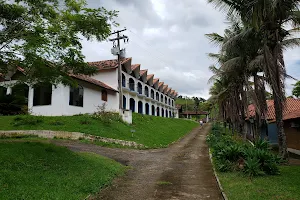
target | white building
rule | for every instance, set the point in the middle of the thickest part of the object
(142, 93)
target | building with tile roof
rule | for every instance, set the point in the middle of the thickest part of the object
(142, 93)
(291, 119)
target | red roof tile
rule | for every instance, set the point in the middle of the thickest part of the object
(291, 109)
(150, 76)
(169, 89)
(93, 81)
(155, 80)
(165, 87)
(108, 64)
(135, 66)
(142, 72)
(160, 84)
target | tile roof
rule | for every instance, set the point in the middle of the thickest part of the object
(93, 81)
(169, 89)
(149, 76)
(142, 72)
(165, 87)
(108, 64)
(291, 109)
(155, 80)
(160, 84)
(135, 66)
(172, 92)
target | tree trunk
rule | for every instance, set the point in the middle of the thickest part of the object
(280, 131)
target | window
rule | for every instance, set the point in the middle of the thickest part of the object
(146, 91)
(42, 95)
(76, 96)
(123, 80)
(104, 95)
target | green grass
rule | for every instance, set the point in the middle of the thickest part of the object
(153, 132)
(34, 170)
(164, 183)
(283, 187)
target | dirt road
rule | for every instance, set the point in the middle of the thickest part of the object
(182, 171)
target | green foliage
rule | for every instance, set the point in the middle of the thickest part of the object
(27, 120)
(296, 89)
(262, 144)
(15, 103)
(151, 131)
(284, 187)
(230, 154)
(252, 167)
(33, 170)
(43, 37)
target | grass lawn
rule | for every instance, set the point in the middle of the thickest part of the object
(283, 187)
(34, 170)
(151, 131)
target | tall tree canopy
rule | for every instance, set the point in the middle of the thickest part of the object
(266, 20)
(43, 37)
(296, 89)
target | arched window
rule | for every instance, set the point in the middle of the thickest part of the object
(169, 102)
(132, 104)
(146, 91)
(152, 94)
(76, 96)
(166, 101)
(131, 84)
(140, 88)
(157, 96)
(162, 98)
(140, 107)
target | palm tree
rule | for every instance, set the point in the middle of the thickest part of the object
(267, 18)
(238, 48)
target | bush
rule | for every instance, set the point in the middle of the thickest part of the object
(27, 120)
(261, 144)
(231, 153)
(252, 167)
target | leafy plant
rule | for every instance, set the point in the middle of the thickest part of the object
(252, 167)
(261, 144)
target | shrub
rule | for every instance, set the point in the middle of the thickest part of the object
(106, 117)
(261, 144)
(27, 120)
(252, 167)
(231, 153)
(223, 165)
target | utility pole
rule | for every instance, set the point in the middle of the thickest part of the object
(118, 38)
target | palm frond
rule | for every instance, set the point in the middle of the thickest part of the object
(215, 38)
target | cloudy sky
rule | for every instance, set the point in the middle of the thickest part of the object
(167, 38)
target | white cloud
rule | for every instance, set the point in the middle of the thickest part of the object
(167, 37)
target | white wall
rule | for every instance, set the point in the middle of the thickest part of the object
(109, 77)
(60, 101)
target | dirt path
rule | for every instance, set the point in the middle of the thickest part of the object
(182, 171)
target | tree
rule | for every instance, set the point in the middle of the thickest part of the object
(43, 37)
(268, 19)
(296, 89)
